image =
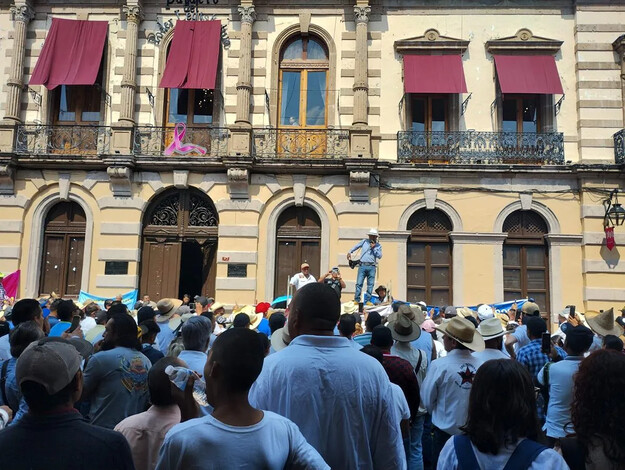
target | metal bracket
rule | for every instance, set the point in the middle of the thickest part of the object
(35, 95)
(493, 106)
(559, 104)
(107, 98)
(150, 97)
(465, 103)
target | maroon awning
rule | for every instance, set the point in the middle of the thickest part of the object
(193, 55)
(434, 74)
(532, 74)
(71, 54)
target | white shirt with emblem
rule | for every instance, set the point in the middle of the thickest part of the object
(446, 389)
(299, 280)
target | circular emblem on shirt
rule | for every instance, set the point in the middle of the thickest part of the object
(465, 375)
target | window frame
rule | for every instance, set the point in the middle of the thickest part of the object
(428, 109)
(519, 111)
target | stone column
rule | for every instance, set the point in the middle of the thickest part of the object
(361, 88)
(134, 15)
(244, 85)
(22, 14)
(619, 47)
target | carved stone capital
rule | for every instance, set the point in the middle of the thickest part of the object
(121, 180)
(359, 186)
(248, 14)
(134, 13)
(238, 183)
(362, 13)
(7, 179)
(23, 13)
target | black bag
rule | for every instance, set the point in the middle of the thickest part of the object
(353, 263)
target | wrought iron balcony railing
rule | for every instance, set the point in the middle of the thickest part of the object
(619, 146)
(472, 147)
(62, 140)
(181, 140)
(301, 143)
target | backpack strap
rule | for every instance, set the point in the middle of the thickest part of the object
(464, 453)
(524, 454)
(418, 368)
(3, 382)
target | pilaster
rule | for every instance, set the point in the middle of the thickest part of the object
(361, 88)
(22, 14)
(134, 16)
(244, 84)
(619, 47)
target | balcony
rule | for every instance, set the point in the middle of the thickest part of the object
(62, 140)
(472, 147)
(181, 140)
(300, 144)
(619, 146)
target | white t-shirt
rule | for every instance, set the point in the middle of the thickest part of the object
(87, 324)
(403, 411)
(489, 354)
(299, 280)
(207, 443)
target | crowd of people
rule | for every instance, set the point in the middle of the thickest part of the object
(317, 385)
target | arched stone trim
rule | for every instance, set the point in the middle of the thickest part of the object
(543, 210)
(36, 240)
(438, 204)
(279, 43)
(272, 223)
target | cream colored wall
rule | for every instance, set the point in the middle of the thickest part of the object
(6, 51)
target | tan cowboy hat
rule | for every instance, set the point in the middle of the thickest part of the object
(413, 312)
(491, 328)
(250, 311)
(349, 307)
(280, 338)
(166, 309)
(403, 329)
(465, 312)
(217, 306)
(464, 332)
(603, 324)
(503, 318)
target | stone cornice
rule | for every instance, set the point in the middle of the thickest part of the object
(431, 41)
(478, 238)
(560, 239)
(523, 41)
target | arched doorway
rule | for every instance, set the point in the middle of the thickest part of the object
(526, 258)
(179, 245)
(63, 247)
(429, 258)
(298, 240)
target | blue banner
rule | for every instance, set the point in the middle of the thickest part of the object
(129, 299)
(501, 307)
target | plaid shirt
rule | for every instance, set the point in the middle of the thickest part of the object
(401, 372)
(533, 358)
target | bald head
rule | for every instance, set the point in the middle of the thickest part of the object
(315, 310)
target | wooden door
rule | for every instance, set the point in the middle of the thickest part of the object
(75, 247)
(161, 269)
(53, 264)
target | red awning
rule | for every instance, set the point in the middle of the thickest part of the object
(434, 74)
(193, 55)
(535, 74)
(71, 54)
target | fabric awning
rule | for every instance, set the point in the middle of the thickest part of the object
(535, 74)
(71, 54)
(193, 55)
(434, 74)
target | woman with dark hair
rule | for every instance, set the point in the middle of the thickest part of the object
(501, 422)
(597, 413)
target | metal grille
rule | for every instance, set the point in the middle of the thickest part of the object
(202, 213)
(525, 223)
(166, 213)
(429, 221)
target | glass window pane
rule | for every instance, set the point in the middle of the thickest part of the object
(439, 297)
(540, 298)
(440, 277)
(315, 51)
(203, 107)
(511, 278)
(294, 51)
(289, 99)
(67, 104)
(418, 114)
(509, 295)
(535, 279)
(316, 99)
(416, 295)
(416, 276)
(91, 107)
(178, 105)
(440, 253)
(510, 115)
(535, 255)
(530, 124)
(511, 255)
(438, 114)
(416, 253)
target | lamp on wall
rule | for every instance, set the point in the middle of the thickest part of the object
(614, 212)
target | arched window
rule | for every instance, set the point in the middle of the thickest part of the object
(304, 68)
(428, 263)
(64, 243)
(525, 258)
(298, 241)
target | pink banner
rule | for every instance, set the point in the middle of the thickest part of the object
(11, 283)
(610, 243)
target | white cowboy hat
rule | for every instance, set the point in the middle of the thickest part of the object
(491, 328)
(373, 232)
(464, 332)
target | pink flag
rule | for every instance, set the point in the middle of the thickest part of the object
(11, 283)
(610, 243)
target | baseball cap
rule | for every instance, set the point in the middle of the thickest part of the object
(52, 364)
(304, 265)
(530, 308)
(203, 301)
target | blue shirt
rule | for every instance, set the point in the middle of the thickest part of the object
(164, 337)
(195, 360)
(424, 343)
(263, 327)
(533, 358)
(59, 328)
(14, 394)
(368, 255)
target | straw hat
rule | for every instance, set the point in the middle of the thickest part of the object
(250, 311)
(280, 338)
(413, 312)
(465, 312)
(464, 332)
(349, 307)
(166, 309)
(403, 329)
(604, 324)
(491, 328)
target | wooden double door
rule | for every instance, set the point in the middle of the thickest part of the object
(179, 246)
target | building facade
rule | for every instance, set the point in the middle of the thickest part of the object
(158, 146)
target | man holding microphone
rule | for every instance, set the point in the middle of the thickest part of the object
(370, 253)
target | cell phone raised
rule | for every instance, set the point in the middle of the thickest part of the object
(571, 312)
(75, 324)
(546, 343)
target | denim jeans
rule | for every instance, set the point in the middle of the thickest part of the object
(369, 273)
(426, 441)
(439, 439)
(415, 455)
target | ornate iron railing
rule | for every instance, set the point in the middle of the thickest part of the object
(68, 140)
(474, 147)
(301, 143)
(619, 146)
(180, 140)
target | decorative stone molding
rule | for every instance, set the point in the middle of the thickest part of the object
(362, 13)
(526, 201)
(359, 186)
(304, 22)
(238, 183)
(523, 40)
(23, 13)
(181, 179)
(134, 13)
(430, 196)
(299, 189)
(478, 238)
(248, 13)
(7, 178)
(121, 180)
(561, 239)
(431, 41)
(64, 182)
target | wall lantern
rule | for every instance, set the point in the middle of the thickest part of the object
(614, 212)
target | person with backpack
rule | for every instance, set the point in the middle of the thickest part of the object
(499, 432)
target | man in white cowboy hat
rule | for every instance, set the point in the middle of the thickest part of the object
(492, 331)
(519, 337)
(604, 324)
(302, 278)
(166, 311)
(370, 253)
(447, 385)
